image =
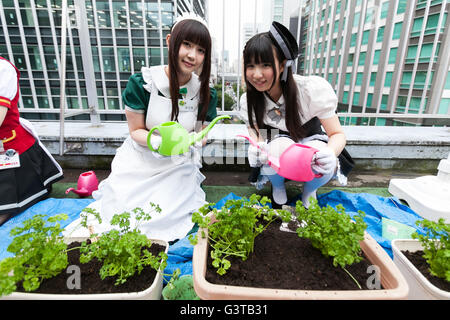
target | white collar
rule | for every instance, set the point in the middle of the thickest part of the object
(271, 104)
(158, 76)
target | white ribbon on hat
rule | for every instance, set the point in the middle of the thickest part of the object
(290, 63)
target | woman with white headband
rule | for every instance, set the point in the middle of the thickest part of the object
(294, 106)
(139, 176)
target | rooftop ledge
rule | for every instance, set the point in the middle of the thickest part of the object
(383, 147)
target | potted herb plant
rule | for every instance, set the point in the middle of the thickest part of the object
(119, 257)
(332, 237)
(425, 260)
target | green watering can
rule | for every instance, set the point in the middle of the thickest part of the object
(175, 139)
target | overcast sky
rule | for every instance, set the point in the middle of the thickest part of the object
(231, 22)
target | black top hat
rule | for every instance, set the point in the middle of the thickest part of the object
(284, 39)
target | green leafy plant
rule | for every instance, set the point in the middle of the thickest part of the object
(235, 227)
(436, 246)
(123, 251)
(333, 232)
(39, 253)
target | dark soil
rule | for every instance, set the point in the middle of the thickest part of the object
(91, 283)
(282, 260)
(417, 259)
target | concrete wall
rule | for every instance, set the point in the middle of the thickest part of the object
(417, 149)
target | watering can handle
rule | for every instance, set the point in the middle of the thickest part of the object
(149, 138)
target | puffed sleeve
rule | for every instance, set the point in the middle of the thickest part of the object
(8, 83)
(135, 97)
(212, 108)
(243, 109)
(317, 96)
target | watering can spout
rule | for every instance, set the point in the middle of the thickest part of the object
(199, 136)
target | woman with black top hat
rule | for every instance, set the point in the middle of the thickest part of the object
(302, 108)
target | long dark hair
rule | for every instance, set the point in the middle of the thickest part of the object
(260, 49)
(195, 32)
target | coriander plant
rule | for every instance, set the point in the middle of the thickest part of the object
(333, 232)
(436, 246)
(235, 228)
(123, 252)
(39, 253)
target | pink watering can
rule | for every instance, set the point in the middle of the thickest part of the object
(293, 163)
(87, 183)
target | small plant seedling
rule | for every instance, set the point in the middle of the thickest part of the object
(39, 253)
(436, 246)
(123, 252)
(236, 226)
(333, 232)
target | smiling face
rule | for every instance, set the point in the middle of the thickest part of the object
(262, 67)
(190, 57)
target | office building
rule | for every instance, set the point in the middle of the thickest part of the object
(107, 41)
(380, 56)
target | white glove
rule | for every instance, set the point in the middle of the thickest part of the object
(155, 141)
(325, 161)
(256, 157)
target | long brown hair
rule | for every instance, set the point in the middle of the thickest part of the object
(260, 49)
(195, 32)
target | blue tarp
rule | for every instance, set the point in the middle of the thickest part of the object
(180, 253)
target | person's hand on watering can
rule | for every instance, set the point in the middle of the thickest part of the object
(325, 161)
(256, 157)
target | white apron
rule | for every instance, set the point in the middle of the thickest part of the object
(140, 176)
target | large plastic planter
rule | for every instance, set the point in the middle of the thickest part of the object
(393, 282)
(420, 287)
(153, 292)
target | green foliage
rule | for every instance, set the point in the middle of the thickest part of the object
(237, 225)
(40, 253)
(332, 231)
(436, 252)
(123, 251)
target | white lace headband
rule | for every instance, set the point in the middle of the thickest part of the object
(190, 16)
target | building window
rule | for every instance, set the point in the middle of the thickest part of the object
(376, 57)
(401, 6)
(365, 38)
(411, 54)
(417, 27)
(369, 99)
(388, 79)
(380, 34)
(447, 82)
(384, 10)
(348, 77)
(392, 56)
(373, 77)
(359, 78)
(397, 30)
(356, 96)
(362, 58)
(406, 80)
(444, 106)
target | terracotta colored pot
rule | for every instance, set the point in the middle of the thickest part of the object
(393, 282)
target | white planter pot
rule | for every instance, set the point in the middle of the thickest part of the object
(151, 293)
(419, 286)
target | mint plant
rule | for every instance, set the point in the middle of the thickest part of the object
(436, 246)
(235, 228)
(123, 251)
(39, 253)
(333, 232)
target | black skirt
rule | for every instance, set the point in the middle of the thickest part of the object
(22, 187)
